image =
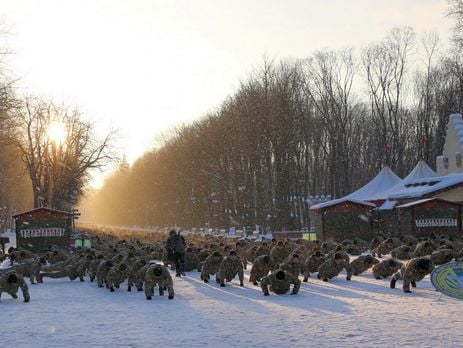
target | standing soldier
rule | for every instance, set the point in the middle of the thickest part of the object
(229, 268)
(10, 282)
(175, 246)
(280, 283)
(413, 271)
(158, 275)
(260, 268)
(333, 266)
(211, 266)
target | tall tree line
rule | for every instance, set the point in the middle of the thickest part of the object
(322, 125)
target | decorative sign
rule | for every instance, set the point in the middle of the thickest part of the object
(42, 232)
(436, 223)
(448, 279)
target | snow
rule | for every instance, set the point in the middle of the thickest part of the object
(374, 190)
(361, 312)
(387, 205)
(427, 186)
(386, 185)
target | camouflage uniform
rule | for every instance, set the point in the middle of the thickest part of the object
(102, 271)
(117, 275)
(424, 248)
(375, 242)
(92, 266)
(293, 265)
(312, 263)
(158, 275)
(263, 249)
(413, 271)
(280, 283)
(242, 254)
(260, 268)
(362, 263)
(55, 256)
(191, 260)
(403, 252)
(73, 271)
(229, 268)
(133, 278)
(345, 256)
(333, 266)
(211, 265)
(202, 256)
(30, 269)
(278, 254)
(386, 268)
(10, 282)
(441, 256)
(385, 247)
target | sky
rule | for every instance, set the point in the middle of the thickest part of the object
(143, 67)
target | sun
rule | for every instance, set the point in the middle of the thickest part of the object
(56, 132)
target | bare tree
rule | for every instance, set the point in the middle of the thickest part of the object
(58, 166)
(385, 65)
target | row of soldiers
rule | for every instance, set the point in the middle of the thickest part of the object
(276, 264)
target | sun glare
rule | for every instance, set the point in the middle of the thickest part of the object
(57, 132)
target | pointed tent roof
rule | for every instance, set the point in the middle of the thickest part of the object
(421, 171)
(374, 190)
(377, 187)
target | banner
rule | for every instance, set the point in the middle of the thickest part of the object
(448, 279)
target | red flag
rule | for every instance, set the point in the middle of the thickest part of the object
(388, 148)
(423, 141)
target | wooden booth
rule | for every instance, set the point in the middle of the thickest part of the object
(432, 215)
(38, 229)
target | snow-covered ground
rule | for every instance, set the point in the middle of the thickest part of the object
(364, 312)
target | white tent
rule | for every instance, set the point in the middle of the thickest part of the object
(420, 172)
(376, 189)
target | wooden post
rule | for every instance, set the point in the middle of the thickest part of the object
(412, 227)
(323, 226)
(459, 221)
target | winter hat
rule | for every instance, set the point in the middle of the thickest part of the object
(157, 271)
(12, 278)
(280, 274)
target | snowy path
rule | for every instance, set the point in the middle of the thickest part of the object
(362, 312)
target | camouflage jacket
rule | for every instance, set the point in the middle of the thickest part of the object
(280, 286)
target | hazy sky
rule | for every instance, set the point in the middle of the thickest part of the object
(143, 66)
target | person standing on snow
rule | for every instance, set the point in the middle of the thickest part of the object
(175, 246)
